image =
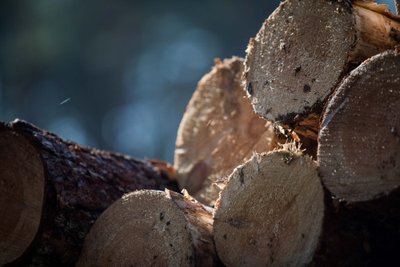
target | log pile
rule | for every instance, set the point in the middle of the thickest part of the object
(53, 190)
(291, 156)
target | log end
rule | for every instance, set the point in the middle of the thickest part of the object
(22, 183)
(218, 131)
(286, 73)
(144, 228)
(270, 212)
(359, 142)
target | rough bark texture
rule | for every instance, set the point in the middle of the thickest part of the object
(151, 228)
(304, 49)
(219, 131)
(359, 142)
(270, 213)
(77, 184)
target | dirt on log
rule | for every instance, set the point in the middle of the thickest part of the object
(53, 190)
(305, 48)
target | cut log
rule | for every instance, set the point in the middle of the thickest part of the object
(271, 211)
(151, 228)
(305, 48)
(53, 190)
(219, 131)
(359, 143)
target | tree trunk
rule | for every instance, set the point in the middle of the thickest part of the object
(271, 211)
(359, 142)
(53, 190)
(218, 131)
(305, 48)
(151, 228)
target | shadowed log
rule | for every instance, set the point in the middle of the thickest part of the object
(53, 190)
(305, 48)
(219, 130)
(360, 234)
(270, 213)
(359, 144)
(151, 228)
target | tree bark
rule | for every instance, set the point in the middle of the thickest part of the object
(359, 142)
(151, 228)
(218, 131)
(271, 211)
(305, 48)
(53, 190)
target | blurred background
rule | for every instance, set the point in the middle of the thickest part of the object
(116, 75)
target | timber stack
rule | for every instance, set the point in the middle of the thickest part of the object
(285, 158)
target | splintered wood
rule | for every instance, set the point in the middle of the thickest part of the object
(219, 131)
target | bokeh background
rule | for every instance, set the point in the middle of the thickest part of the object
(116, 75)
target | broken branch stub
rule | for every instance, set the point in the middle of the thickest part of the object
(359, 141)
(151, 228)
(218, 131)
(304, 49)
(270, 213)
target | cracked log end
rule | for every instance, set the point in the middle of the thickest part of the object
(150, 228)
(359, 142)
(303, 50)
(21, 195)
(270, 212)
(219, 131)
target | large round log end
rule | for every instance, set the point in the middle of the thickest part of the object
(144, 228)
(359, 142)
(298, 56)
(270, 213)
(22, 183)
(218, 131)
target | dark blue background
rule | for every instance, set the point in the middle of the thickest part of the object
(116, 75)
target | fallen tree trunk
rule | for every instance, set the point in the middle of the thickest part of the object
(305, 48)
(218, 131)
(359, 142)
(53, 190)
(271, 211)
(151, 228)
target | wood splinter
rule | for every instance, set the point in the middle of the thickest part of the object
(151, 228)
(305, 48)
